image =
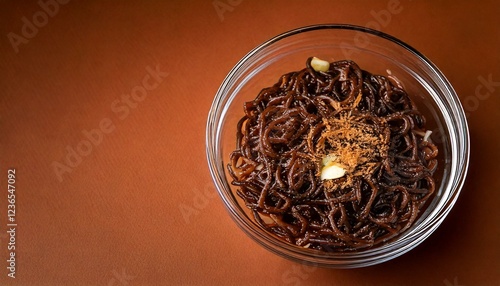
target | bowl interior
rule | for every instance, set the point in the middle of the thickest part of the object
(372, 51)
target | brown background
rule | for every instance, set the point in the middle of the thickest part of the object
(140, 208)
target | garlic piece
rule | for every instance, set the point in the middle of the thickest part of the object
(427, 135)
(330, 168)
(332, 171)
(320, 65)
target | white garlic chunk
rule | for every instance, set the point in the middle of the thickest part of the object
(332, 171)
(320, 65)
(427, 135)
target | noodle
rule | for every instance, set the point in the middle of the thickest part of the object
(369, 123)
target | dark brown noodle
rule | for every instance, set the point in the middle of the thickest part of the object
(276, 172)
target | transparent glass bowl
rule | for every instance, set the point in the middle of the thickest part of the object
(377, 53)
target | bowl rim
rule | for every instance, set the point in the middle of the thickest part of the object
(342, 260)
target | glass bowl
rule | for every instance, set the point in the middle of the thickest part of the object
(377, 53)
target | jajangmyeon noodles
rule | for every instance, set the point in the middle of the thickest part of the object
(367, 125)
